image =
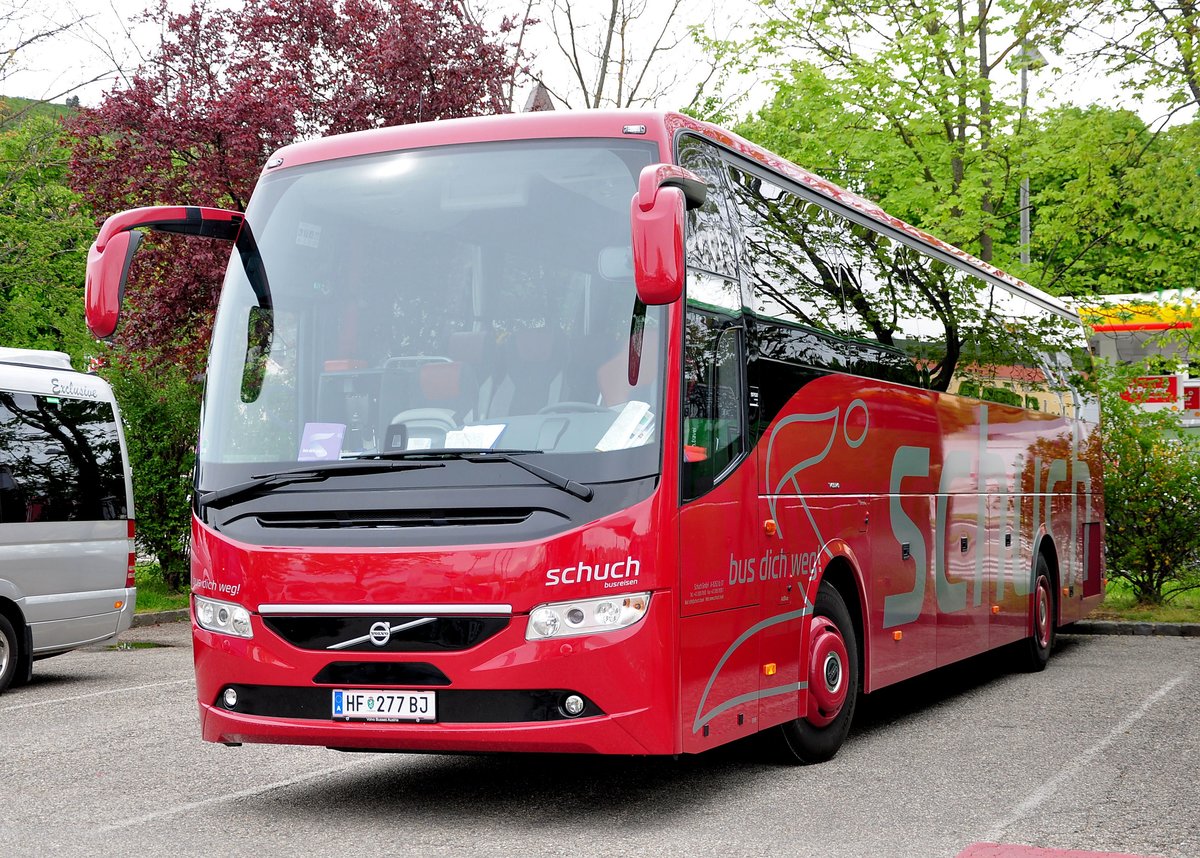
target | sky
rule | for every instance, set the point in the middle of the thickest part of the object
(110, 36)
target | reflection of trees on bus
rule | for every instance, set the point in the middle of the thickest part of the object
(62, 458)
(866, 303)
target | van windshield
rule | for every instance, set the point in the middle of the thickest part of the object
(462, 297)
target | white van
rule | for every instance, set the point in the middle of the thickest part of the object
(66, 512)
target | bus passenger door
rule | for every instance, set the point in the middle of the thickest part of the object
(718, 538)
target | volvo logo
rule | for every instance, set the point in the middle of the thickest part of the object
(381, 632)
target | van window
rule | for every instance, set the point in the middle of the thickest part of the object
(60, 460)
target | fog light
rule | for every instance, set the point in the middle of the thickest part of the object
(573, 705)
(575, 616)
(230, 698)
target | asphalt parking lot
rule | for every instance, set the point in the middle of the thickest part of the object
(101, 755)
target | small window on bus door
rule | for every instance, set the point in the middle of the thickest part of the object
(714, 392)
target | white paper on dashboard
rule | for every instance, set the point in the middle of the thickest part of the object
(632, 428)
(480, 437)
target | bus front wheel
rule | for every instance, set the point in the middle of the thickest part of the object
(834, 683)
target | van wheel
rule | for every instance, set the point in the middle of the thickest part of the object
(1035, 649)
(9, 653)
(833, 686)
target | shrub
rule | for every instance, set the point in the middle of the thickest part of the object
(161, 411)
(1151, 494)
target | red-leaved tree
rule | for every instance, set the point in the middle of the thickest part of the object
(196, 122)
(194, 126)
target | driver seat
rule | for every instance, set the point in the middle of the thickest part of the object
(534, 374)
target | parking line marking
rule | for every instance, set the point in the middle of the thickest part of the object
(93, 694)
(1043, 793)
(218, 799)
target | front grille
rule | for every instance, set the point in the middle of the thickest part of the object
(442, 634)
(370, 519)
(408, 673)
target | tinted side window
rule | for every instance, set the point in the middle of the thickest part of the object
(710, 244)
(1032, 357)
(902, 302)
(790, 254)
(60, 460)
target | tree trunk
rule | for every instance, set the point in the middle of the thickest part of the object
(985, 134)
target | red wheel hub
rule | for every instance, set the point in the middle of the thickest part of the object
(828, 672)
(1042, 619)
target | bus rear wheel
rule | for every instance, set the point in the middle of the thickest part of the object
(1036, 648)
(834, 683)
(9, 652)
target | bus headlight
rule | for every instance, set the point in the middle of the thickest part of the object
(586, 616)
(223, 618)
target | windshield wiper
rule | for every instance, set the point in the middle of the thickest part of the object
(308, 474)
(484, 454)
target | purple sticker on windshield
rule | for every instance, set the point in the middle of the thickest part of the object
(321, 441)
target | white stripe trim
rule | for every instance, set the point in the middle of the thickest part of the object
(370, 610)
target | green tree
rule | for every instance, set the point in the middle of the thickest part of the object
(924, 78)
(161, 410)
(1151, 495)
(1116, 205)
(43, 243)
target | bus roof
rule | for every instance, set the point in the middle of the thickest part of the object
(659, 126)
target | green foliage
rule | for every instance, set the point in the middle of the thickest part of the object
(152, 592)
(1116, 206)
(43, 243)
(1121, 603)
(918, 124)
(17, 111)
(1151, 495)
(161, 410)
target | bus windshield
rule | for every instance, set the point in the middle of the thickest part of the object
(452, 298)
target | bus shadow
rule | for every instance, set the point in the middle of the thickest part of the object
(522, 791)
(517, 791)
(895, 703)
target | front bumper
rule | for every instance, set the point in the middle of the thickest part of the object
(504, 694)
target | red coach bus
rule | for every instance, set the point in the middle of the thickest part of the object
(610, 432)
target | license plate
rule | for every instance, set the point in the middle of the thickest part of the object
(365, 704)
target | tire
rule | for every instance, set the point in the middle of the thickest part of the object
(834, 685)
(10, 653)
(1043, 604)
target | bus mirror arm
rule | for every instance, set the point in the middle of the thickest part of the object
(110, 255)
(657, 216)
(658, 176)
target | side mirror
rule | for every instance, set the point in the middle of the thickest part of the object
(111, 254)
(104, 289)
(657, 216)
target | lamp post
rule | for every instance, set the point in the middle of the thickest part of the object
(1029, 58)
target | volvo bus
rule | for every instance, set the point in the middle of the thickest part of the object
(610, 432)
(66, 512)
